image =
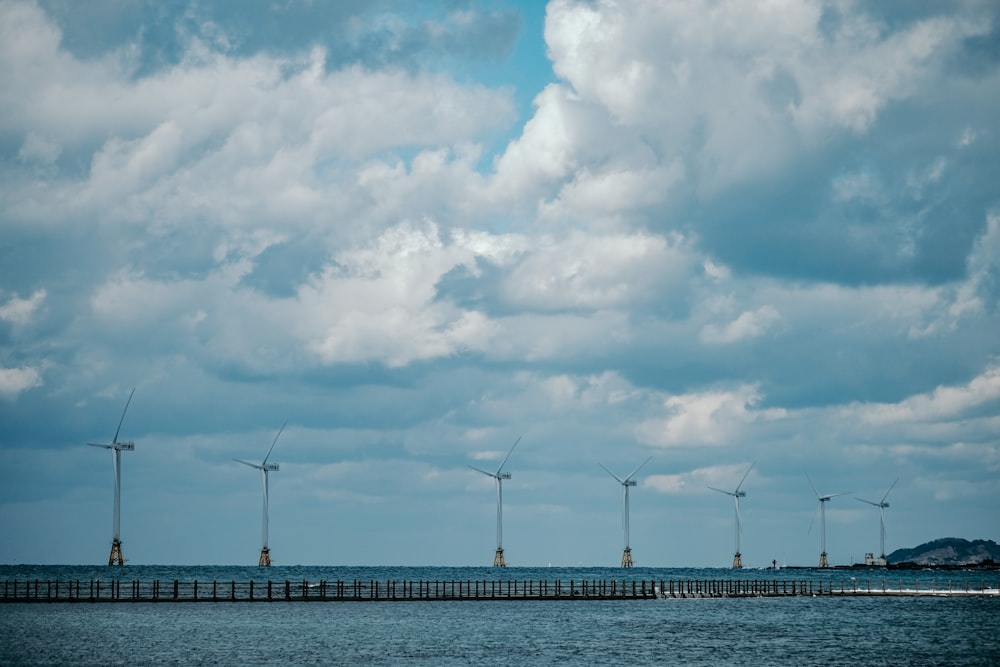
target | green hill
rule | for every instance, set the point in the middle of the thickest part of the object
(948, 551)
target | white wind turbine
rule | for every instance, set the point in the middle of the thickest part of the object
(823, 500)
(498, 559)
(881, 505)
(626, 483)
(737, 494)
(265, 467)
(116, 557)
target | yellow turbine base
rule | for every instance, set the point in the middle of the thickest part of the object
(498, 560)
(822, 560)
(738, 561)
(265, 558)
(116, 557)
(627, 558)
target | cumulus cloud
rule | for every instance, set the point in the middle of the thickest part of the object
(748, 325)
(377, 303)
(706, 418)
(739, 81)
(14, 381)
(21, 311)
(942, 404)
(598, 271)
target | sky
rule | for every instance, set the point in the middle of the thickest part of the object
(713, 233)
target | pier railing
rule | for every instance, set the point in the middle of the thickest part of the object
(117, 590)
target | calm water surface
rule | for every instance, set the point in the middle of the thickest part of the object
(757, 631)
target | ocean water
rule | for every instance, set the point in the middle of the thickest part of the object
(730, 631)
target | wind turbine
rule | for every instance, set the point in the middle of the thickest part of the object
(881, 505)
(626, 483)
(117, 448)
(265, 467)
(823, 500)
(498, 559)
(737, 494)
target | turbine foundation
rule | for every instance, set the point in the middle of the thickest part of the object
(116, 557)
(737, 561)
(627, 558)
(822, 560)
(265, 558)
(498, 560)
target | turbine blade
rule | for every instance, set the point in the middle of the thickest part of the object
(620, 480)
(813, 520)
(247, 463)
(488, 474)
(812, 485)
(834, 495)
(744, 477)
(120, 421)
(890, 490)
(728, 493)
(94, 444)
(867, 501)
(275, 441)
(637, 469)
(502, 463)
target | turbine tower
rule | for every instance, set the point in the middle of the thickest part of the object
(498, 559)
(881, 505)
(737, 494)
(265, 467)
(823, 500)
(116, 557)
(626, 483)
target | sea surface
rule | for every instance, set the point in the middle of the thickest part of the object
(729, 631)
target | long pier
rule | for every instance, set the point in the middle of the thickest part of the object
(116, 590)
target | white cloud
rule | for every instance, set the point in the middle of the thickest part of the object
(598, 271)
(942, 404)
(21, 311)
(13, 381)
(735, 87)
(223, 140)
(378, 302)
(749, 324)
(706, 418)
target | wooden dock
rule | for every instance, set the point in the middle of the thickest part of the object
(117, 590)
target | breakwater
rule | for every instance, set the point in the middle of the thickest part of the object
(117, 590)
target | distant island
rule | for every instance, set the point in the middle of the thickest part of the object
(948, 552)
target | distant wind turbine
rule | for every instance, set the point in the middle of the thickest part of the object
(265, 467)
(881, 505)
(823, 500)
(116, 557)
(498, 559)
(737, 494)
(626, 483)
